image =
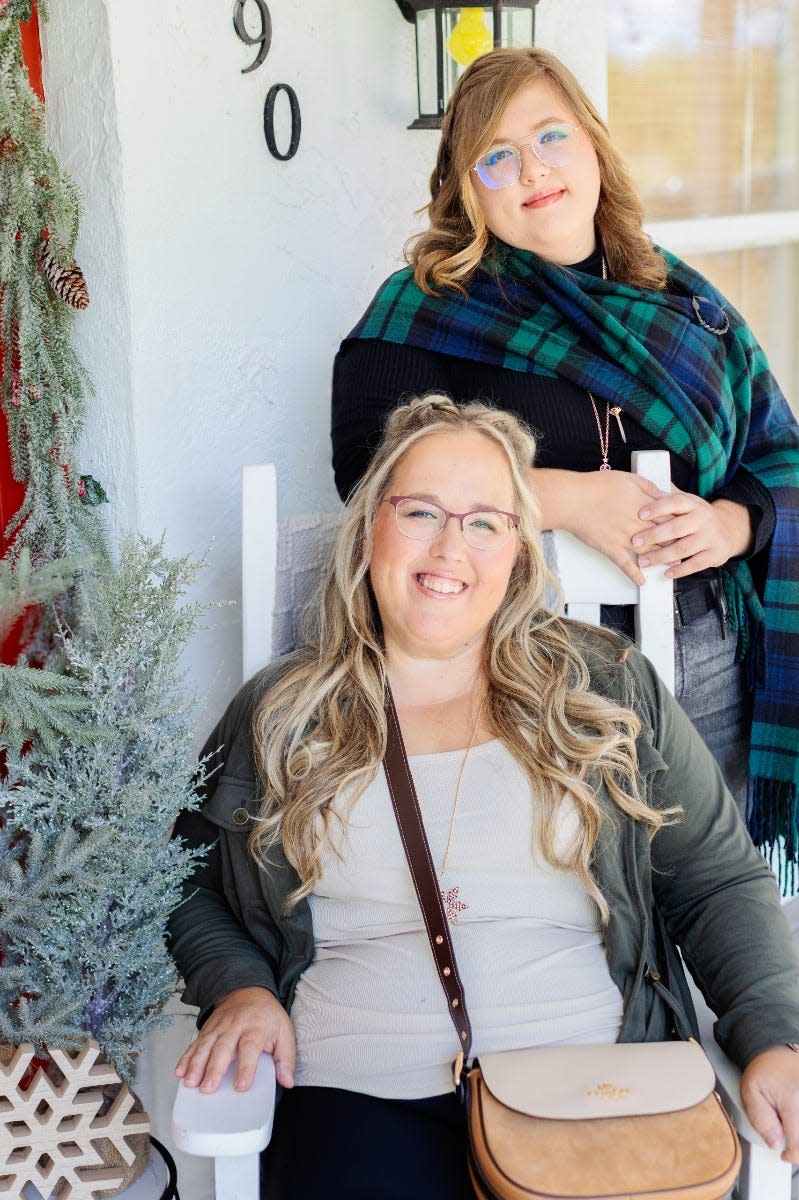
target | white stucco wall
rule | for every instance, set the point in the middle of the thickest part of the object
(223, 280)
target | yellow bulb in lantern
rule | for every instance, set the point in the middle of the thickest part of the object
(470, 38)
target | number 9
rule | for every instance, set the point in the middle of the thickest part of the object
(264, 39)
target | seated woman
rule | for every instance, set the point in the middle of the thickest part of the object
(564, 794)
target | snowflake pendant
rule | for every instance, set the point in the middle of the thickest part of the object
(452, 905)
(606, 466)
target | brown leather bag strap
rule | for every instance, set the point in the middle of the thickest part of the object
(417, 851)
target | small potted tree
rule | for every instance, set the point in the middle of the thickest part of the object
(88, 876)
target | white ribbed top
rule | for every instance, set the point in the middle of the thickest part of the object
(370, 1013)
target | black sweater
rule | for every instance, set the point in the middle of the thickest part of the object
(371, 377)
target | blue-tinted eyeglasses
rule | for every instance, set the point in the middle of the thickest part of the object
(554, 145)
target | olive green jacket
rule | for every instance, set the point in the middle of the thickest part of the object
(717, 897)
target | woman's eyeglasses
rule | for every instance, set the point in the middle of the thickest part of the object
(484, 529)
(554, 145)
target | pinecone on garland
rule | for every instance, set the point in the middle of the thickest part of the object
(8, 144)
(67, 282)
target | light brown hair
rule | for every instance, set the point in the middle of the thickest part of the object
(447, 253)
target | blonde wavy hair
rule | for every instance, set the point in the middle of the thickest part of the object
(319, 734)
(447, 253)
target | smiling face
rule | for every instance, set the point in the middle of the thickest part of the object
(437, 598)
(549, 210)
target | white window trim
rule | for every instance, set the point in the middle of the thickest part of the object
(713, 235)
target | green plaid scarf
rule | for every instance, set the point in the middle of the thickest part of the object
(686, 366)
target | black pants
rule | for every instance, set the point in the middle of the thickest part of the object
(338, 1145)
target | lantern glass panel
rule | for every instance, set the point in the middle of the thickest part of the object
(427, 71)
(461, 32)
(516, 27)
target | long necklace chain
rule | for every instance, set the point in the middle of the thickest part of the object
(611, 410)
(454, 816)
(604, 442)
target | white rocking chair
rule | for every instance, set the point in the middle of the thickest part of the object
(234, 1127)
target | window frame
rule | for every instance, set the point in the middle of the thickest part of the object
(738, 231)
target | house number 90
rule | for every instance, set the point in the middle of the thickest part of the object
(263, 40)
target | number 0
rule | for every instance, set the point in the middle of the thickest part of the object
(269, 120)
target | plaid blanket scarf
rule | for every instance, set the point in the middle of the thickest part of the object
(686, 366)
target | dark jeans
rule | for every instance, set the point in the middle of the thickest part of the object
(709, 685)
(339, 1145)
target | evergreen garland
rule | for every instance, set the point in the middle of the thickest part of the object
(42, 384)
(39, 704)
(88, 876)
(22, 585)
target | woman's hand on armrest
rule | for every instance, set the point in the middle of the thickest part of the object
(601, 508)
(244, 1024)
(770, 1094)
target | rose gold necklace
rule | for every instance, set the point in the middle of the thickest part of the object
(450, 897)
(611, 410)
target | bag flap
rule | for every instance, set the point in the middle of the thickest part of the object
(616, 1080)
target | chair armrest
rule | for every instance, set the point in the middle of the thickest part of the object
(728, 1075)
(226, 1122)
(764, 1176)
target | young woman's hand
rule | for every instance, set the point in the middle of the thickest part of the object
(636, 525)
(601, 508)
(244, 1024)
(770, 1094)
(691, 534)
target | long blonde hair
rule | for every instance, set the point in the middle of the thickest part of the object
(319, 734)
(447, 253)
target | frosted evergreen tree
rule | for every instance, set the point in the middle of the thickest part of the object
(88, 876)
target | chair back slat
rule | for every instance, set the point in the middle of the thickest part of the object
(258, 564)
(589, 579)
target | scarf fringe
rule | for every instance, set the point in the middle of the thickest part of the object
(772, 818)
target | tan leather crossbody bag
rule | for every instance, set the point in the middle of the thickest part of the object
(625, 1121)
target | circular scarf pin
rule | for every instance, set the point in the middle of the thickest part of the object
(710, 315)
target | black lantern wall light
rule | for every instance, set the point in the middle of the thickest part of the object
(450, 36)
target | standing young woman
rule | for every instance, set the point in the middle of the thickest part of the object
(536, 289)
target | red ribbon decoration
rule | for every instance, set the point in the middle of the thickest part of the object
(12, 492)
